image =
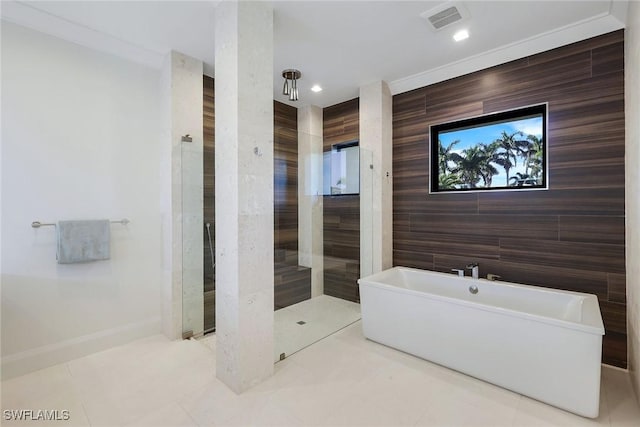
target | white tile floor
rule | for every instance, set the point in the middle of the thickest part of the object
(343, 380)
(323, 315)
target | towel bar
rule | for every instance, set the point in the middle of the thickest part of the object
(38, 224)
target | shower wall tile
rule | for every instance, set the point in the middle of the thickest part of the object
(285, 177)
(292, 283)
(209, 183)
(341, 214)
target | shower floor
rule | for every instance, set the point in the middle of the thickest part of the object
(300, 325)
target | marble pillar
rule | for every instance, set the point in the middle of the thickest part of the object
(310, 215)
(376, 185)
(244, 193)
(183, 293)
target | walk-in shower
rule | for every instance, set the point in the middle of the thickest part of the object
(316, 235)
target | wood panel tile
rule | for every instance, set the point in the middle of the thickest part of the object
(569, 178)
(333, 126)
(586, 92)
(413, 259)
(617, 288)
(614, 349)
(529, 81)
(287, 116)
(208, 194)
(285, 176)
(579, 255)
(614, 316)
(425, 203)
(604, 141)
(412, 106)
(608, 59)
(416, 169)
(338, 285)
(341, 213)
(561, 95)
(341, 278)
(402, 222)
(292, 284)
(449, 244)
(604, 202)
(566, 69)
(209, 309)
(592, 229)
(581, 46)
(453, 110)
(340, 123)
(521, 226)
(586, 119)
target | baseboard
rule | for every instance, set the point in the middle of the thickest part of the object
(42, 357)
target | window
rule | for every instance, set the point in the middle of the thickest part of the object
(499, 151)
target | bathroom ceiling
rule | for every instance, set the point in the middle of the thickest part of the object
(340, 45)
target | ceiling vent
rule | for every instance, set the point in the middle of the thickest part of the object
(445, 15)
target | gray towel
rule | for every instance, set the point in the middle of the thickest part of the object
(83, 241)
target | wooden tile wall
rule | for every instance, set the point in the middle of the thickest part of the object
(209, 124)
(569, 237)
(285, 172)
(292, 282)
(341, 213)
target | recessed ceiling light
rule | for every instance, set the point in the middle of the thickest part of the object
(461, 35)
(316, 88)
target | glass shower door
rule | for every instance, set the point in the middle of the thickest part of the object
(192, 241)
(328, 249)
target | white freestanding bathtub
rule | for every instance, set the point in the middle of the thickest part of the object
(542, 343)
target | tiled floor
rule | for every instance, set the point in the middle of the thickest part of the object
(322, 316)
(341, 380)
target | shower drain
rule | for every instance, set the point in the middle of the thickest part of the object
(302, 322)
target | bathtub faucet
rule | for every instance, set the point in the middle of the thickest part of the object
(475, 273)
(458, 271)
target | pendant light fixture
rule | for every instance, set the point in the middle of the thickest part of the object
(290, 87)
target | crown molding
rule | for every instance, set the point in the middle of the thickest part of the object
(582, 30)
(28, 16)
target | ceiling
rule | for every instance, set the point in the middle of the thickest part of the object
(340, 45)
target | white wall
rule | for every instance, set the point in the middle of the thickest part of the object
(80, 134)
(632, 187)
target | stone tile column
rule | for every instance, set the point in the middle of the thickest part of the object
(632, 189)
(244, 193)
(376, 185)
(310, 202)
